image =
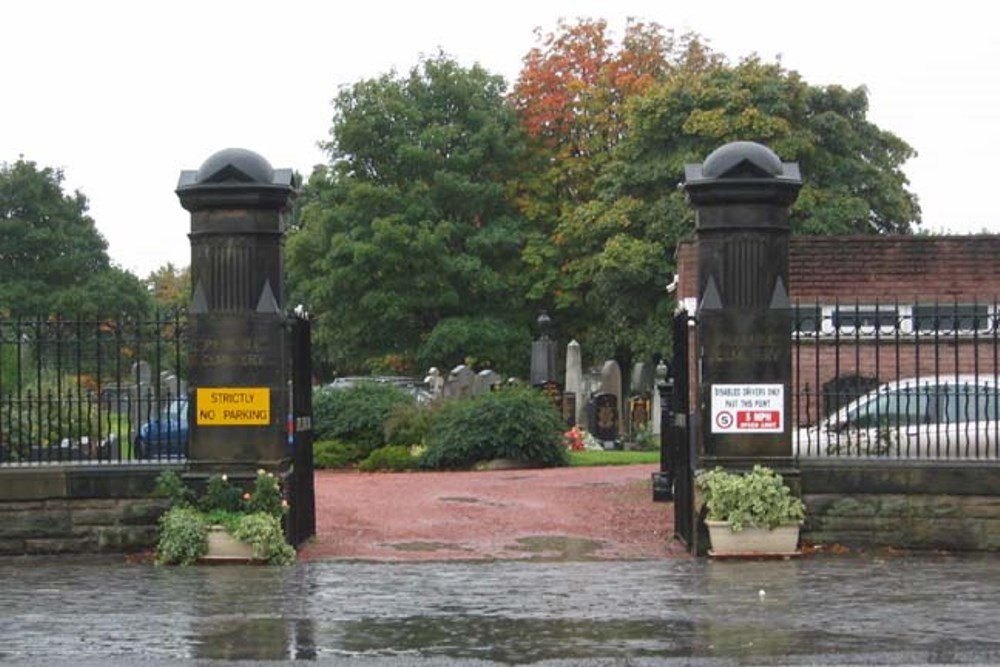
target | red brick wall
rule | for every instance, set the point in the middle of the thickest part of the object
(879, 270)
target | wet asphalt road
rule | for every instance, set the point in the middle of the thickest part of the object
(826, 610)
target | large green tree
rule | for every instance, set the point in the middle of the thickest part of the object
(614, 250)
(410, 234)
(52, 258)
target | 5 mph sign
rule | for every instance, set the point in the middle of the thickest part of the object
(748, 408)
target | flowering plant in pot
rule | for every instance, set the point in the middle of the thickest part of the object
(252, 518)
(750, 512)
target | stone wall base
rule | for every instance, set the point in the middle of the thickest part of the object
(904, 504)
(74, 510)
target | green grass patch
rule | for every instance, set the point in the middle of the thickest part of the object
(612, 458)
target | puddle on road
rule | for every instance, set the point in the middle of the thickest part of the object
(427, 546)
(815, 611)
(459, 499)
(559, 547)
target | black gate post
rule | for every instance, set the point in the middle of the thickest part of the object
(663, 481)
(238, 340)
(742, 194)
(677, 434)
(302, 491)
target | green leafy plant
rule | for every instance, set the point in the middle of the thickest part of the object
(169, 485)
(356, 414)
(409, 423)
(643, 439)
(516, 423)
(220, 495)
(758, 498)
(390, 457)
(336, 454)
(263, 532)
(183, 536)
(255, 513)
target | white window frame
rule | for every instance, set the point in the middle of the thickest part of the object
(990, 315)
(903, 315)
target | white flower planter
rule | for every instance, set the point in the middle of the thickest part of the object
(224, 548)
(781, 541)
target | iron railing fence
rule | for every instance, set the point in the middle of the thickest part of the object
(92, 391)
(897, 380)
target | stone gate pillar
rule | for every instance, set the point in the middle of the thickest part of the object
(239, 361)
(742, 194)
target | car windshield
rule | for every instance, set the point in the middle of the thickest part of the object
(901, 405)
(940, 403)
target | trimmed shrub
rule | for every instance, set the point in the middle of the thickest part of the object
(356, 414)
(336, 454)
(513, 423)
(409, 424)
(390, 457)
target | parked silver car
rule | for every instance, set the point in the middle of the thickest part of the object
(949, 417)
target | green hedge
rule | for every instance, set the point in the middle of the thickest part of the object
(391, 457)
(336, 454)
(513, 423)
(356, 414)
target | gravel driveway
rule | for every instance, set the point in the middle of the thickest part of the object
(598, 513)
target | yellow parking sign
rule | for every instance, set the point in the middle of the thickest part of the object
(233, 406)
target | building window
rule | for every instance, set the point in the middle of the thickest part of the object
(867, 320)
(954, 318)
(807, 320)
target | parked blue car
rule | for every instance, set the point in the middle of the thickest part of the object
(167, 435)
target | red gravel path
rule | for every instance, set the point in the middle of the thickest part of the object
(555, 513)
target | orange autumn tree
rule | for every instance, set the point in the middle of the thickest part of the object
(571, 93)
(571, 98)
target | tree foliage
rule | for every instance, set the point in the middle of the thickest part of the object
(606, 259)
(170, 287)
(52, 258)
(410, 223)
(450, 214)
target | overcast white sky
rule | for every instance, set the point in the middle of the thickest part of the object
(124, 95)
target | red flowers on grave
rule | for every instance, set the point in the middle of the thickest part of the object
(573, 439)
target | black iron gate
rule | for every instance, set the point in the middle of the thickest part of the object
(677, 435)
(301, 486)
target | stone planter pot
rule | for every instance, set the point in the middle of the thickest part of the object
(224, 548)
(781, 541)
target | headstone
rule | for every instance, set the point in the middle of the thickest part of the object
(554, 392)
(661, 376)
(640, 397)
(611, 383)
(642, 380)
(639, 408)
(434, 382)
(486, 381)
(460, 383)
(569, 409)
(574, 382)
(604, 421)
(142, 372)
(543, 355)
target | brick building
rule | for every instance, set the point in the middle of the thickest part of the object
(872, 309)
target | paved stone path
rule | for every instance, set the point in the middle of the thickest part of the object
(595, 513)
